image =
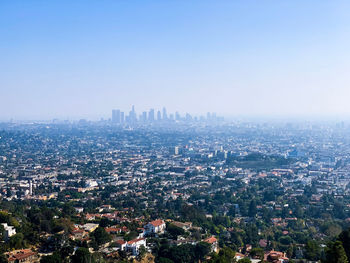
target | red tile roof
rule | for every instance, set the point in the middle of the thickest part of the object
(120, 242)
(157, 222)
(210, 240)
(20, 255)
(113, 229)
(135, 241)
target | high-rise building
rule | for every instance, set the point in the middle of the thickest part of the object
(132, 115)
(116, 116)
(177, 116)
(122, 118)
(144, 116)
(208, 116)
(159, 116)
(165, 116)
(151, 115)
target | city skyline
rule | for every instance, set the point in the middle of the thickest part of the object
(153, 115)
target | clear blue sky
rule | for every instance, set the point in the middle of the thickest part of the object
(72, 59)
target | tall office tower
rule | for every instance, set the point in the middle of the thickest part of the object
(116, 116)
(159, 116)
(213, 116)
(177, 116)
(165, 116)
(171, 117)
(151, 115)
(132, 115)
(113, 115)
(208, 116)
(122, 119)
(188, 117)
(144, 116)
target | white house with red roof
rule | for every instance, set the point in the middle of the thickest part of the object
(155, 227)
(121, 244)
(213, 242)
(134, 245)
(275, 256)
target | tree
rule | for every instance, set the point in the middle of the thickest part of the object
(244, 260)
(257, 253)
(335, 253)
(226, 255)
(252, 209)
(66, 251)
(101, 236)
(54, 258)
(3, 259)
(82, 255)
(165, 260)
(285, 240)
(17, 241)
(174, 231)
(142, 252)
(68, 210)
(344, 237)
(105, 222)
(312, 250)
(201, 250)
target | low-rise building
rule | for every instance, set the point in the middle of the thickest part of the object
(21, 256)
(9, 231)
(213, 242)
(155, 227)
(134, 245)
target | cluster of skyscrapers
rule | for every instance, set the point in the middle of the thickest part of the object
(119, 116)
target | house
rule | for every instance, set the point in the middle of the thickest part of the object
(9, 231)
(121, 244)
(90, 227)
(113, 230)
(263, 243)
(90, 217)
(155, 227)
(106, 208)
(79, 209)
(275, 257)
(184, 226)
(78, 234)
(213, 242)
(239, 256)
(134, 245)
(21, 256)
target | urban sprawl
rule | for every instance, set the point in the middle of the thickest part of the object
(165, 189)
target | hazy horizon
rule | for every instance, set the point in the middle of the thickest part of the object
(81, 59)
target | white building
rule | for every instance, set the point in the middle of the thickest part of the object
(79, 209)
(155, 227)
(9, 231)
(90, 183)
(90, 227)
(135, 244)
